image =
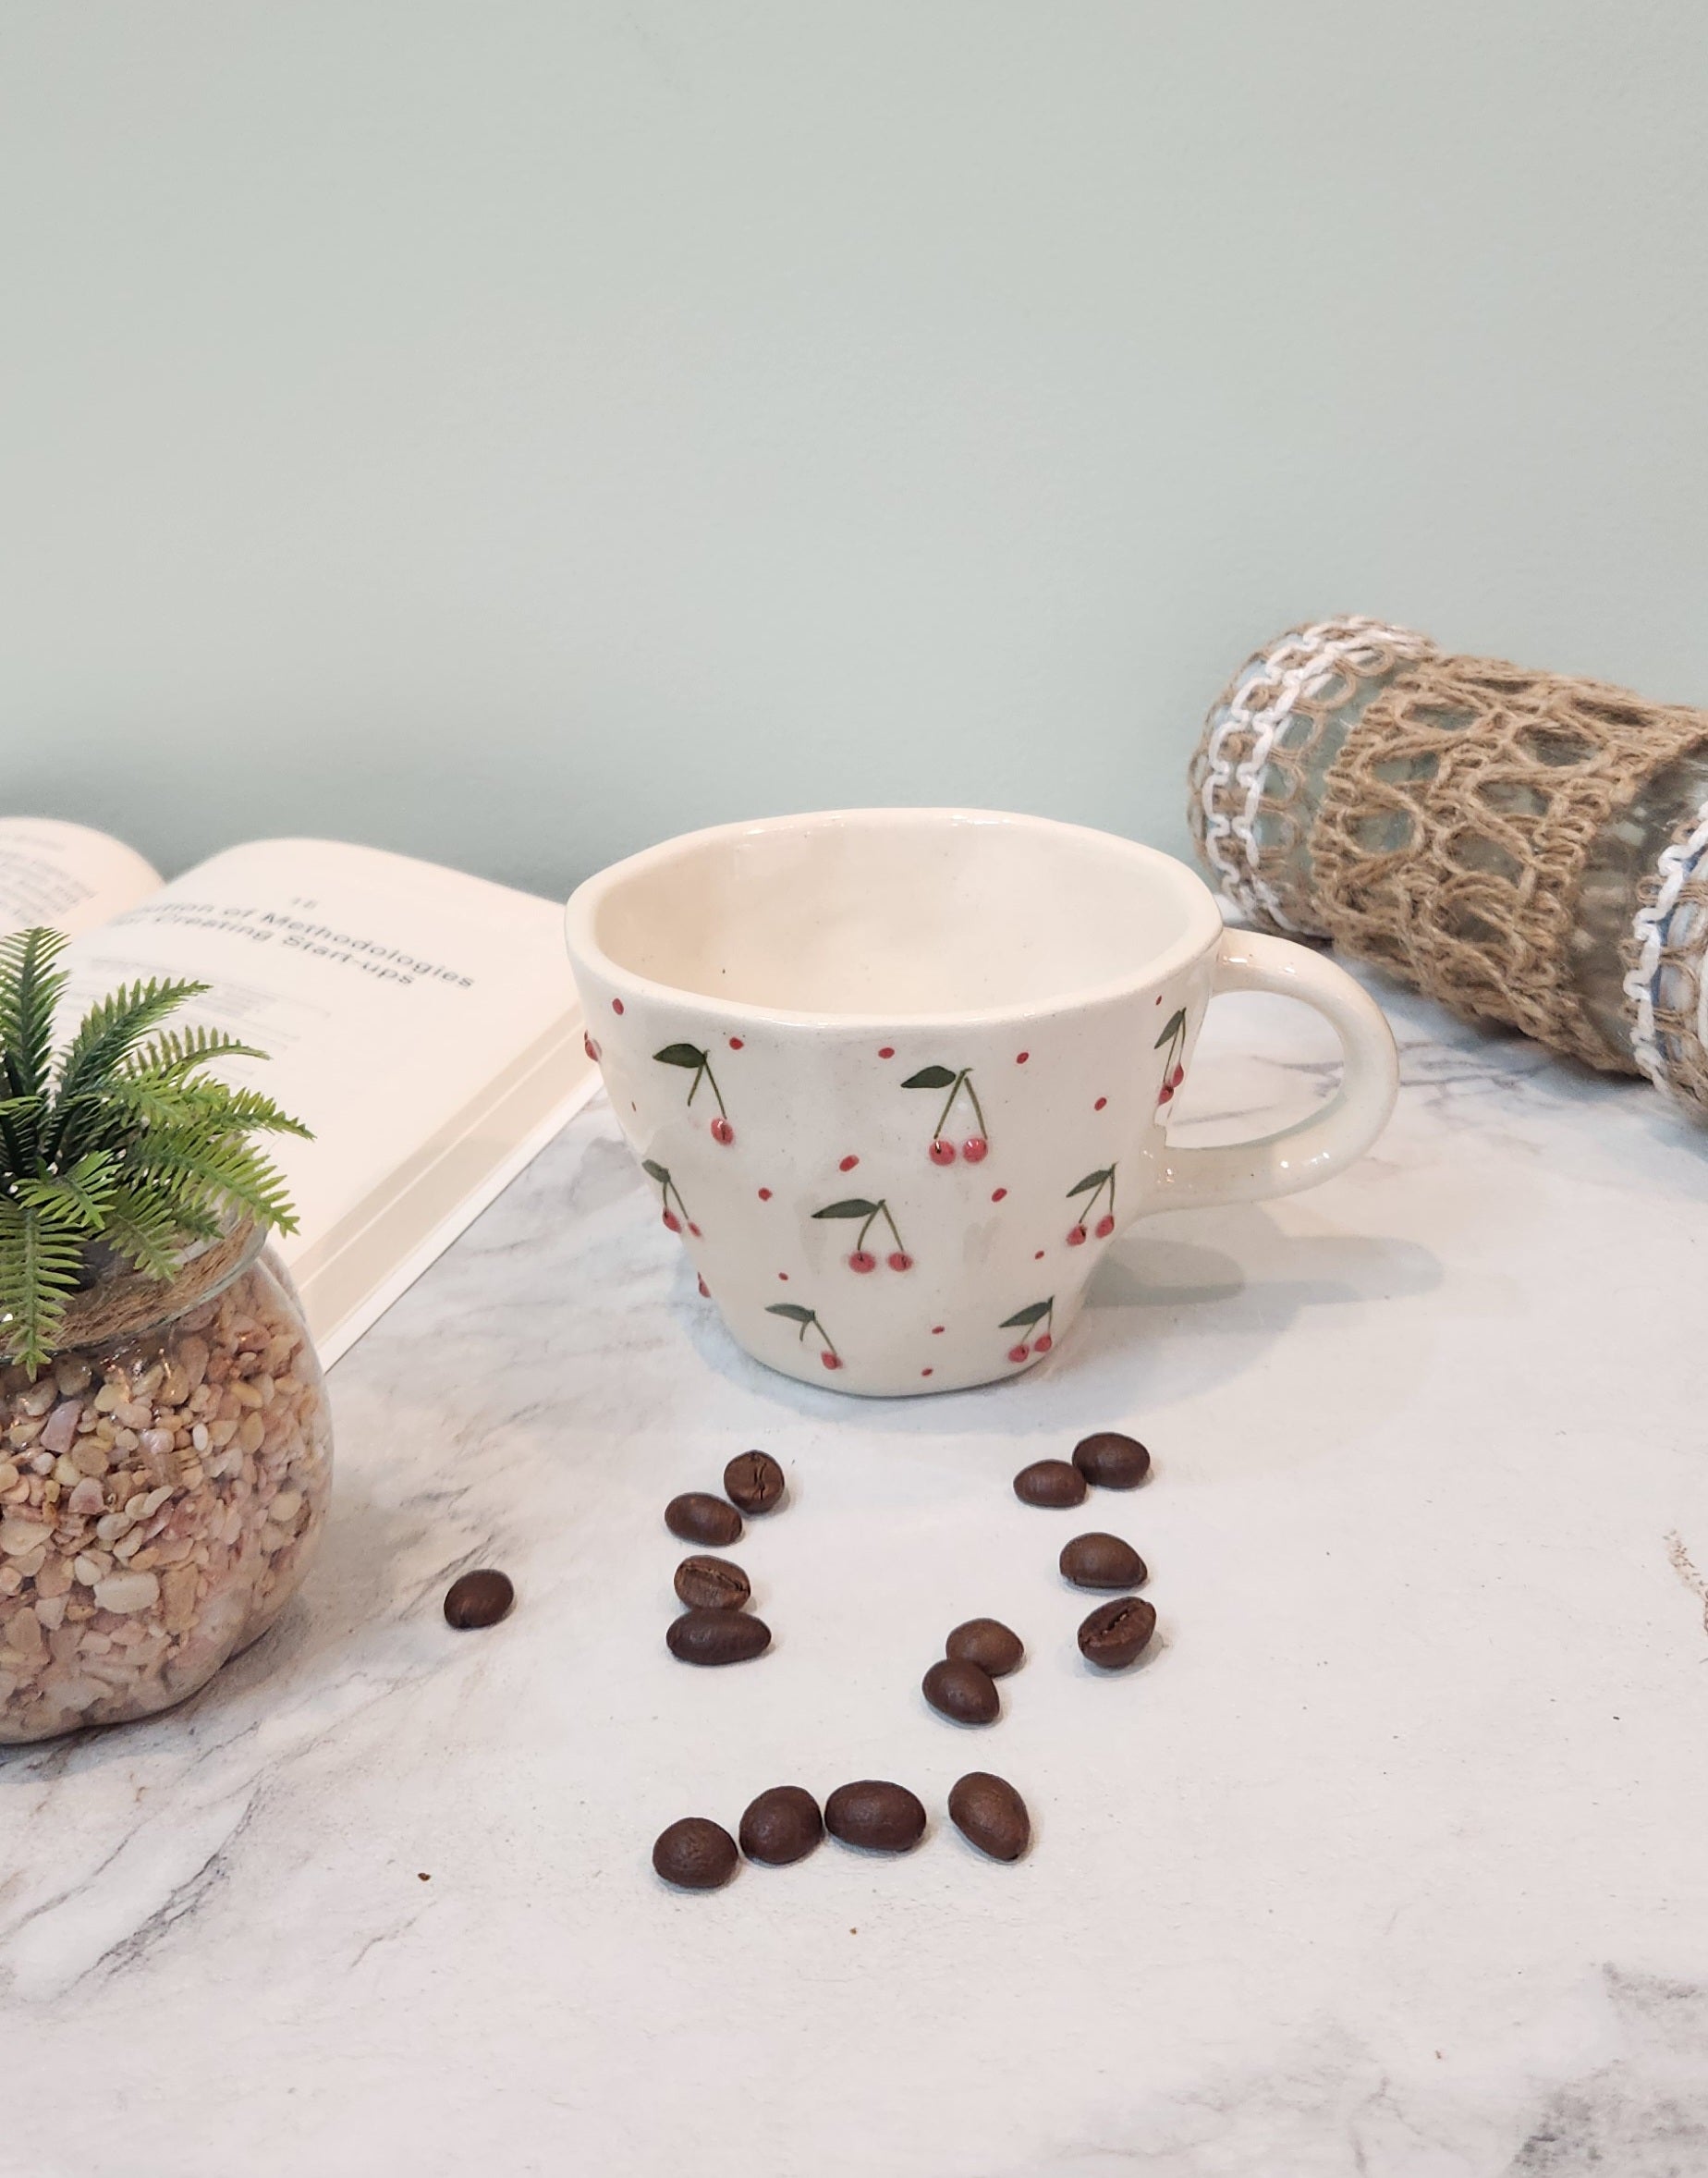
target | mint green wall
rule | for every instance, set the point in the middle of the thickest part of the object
(511, 433)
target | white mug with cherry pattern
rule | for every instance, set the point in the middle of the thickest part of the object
(898, 1077)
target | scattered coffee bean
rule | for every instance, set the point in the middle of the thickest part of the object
(987, 1643)
(477, 1599)
(1115, 1633)
(695, 1854)
(715, 1584)
(962, 1693)
(1111, 1461)
(698, 1517)
(990, 1814)
(755, 1482)
(887, 1817)
(716, 1637)
(781, 1825)
(1100, 1561)
(1050, 1481)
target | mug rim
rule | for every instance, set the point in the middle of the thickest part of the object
(1204, 924)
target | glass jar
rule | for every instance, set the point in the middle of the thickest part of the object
(163, 1484)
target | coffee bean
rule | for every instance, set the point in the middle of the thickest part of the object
(754, 1481)
(987, 1643)
(1111, 1461)
(715, 1584)
(962, 1691)
(872, 1813)
(1115, 1633)
(781, 1825)
(1102, 1561)
(479, 1599)
(1050, 1481)
(716, 1637)
(695, 1854)
(990, 1814)
(698, 1517)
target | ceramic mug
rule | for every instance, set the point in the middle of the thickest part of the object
(900, 1076)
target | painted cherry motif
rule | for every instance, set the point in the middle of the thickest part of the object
(676, 1218)
(862, 1259)
(1028, 1320)
(1092, 1187)
(692, 1056)
(590, 1048)
(1174, 1073)
(976, 1147)
(808, 1319)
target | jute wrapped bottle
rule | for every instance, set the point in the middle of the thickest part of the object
(1525, 847)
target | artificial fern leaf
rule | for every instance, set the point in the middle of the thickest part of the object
(108, 1033)
(76, 1199)
(40, 1262)
(31, 987)
(147, 1231)
(178, 1051)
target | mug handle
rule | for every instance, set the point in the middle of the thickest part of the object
(1317, 1147)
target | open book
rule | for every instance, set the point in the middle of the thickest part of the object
(423, 1022)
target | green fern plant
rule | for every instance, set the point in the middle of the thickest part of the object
(122, 1147)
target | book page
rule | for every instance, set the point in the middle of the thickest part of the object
(397, 1000)
(65, 876)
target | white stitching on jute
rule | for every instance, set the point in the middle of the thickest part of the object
(1650, 934)
(1301, 664)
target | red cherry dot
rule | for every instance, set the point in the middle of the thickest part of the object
(901, 1260)
(1159, 997)
(764, 1195)
(705, 1290)
(847, 1164)
(938, 1330)
(831, 1361)
(887, 1051)
(1021, 1057)
(997, 1194)
(1177, 1076)
(1019, 1353)
(783, 1276)
(924, 1372)
(591, 1048)
(616, 1005)
(1105, 1226)
(1075, 1238)
(1165, 1095)
(736, 1044)
(672, 1221)
(862, 1260)
(695, 1229)
(975, 1149)
(1039, 1257)
(942, 1153)
(1100, 1104)
(1042, 1345)
(722, 1130)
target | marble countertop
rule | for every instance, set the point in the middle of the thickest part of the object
(1388, 1860)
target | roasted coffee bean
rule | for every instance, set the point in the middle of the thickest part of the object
(695, 1854)
(781, 1825)
(477, 1599)
(1101, 1562)
(961, 1691)
(990, 1814)
(885, 1816)
(715, 1584)
(1050, 1481)
(698, 1517)
(987, 1643)
(1111, 1461)
(718, 1637)
(755, 1482)
(1115, 1633)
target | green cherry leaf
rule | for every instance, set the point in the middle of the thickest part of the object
(1171, 1029)
(681, 1054)
(856, 1206)
(654, 1171)
(1023, 1318)
(1091, 1180)
(930, 1077)
(793, 1310)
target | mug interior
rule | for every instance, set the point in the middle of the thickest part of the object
(895, 912)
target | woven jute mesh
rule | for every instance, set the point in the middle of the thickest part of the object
(122, 1306)
(1436, 815)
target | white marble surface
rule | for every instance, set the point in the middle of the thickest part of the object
(1389, 1860)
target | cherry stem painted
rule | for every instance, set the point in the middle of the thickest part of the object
(703, 1072)
(978, 1107)
(962, 1081)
